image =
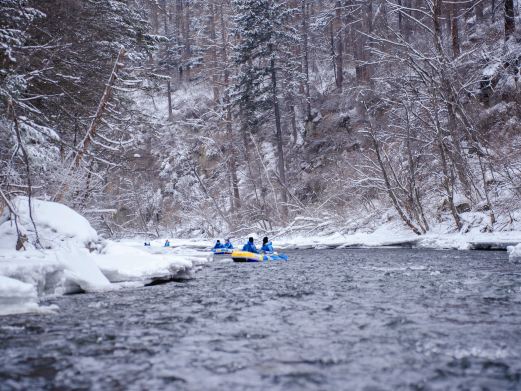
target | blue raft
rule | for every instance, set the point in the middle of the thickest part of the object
(223, 252)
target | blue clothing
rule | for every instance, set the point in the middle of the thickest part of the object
(267, 248)
(218, 245)
(228, 245)
(249, 246)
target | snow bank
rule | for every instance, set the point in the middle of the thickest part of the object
(74, 258)
(514, 253)
(394, 234)
(64, 264)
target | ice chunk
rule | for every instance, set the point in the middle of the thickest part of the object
(17, 297)
(124, 263)
(81, 270)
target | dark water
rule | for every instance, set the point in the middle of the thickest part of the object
(326, 320)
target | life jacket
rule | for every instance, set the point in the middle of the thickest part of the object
(267, 248)
(250, 247)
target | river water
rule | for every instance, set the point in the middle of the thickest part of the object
(369, 319)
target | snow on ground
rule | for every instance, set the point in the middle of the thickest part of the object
(72, 258)
(387, 234)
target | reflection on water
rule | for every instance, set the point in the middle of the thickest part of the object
(367, 319)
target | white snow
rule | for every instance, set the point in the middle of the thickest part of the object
(75, 259)
(56, 223)
(387, 234)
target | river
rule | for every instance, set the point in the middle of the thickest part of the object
(359, 319)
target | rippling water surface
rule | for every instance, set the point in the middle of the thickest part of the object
(326, 320)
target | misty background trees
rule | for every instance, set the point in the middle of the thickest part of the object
(205, 117)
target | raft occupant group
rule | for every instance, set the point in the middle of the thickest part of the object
(249, 252)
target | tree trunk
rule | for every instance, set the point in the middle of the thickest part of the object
(454, 30)
(213, 52)
(305, 58)
(107, 93)
(436, 11)
(169, 92)
(339, 46)
(229, 116)
(280, 145)
(478, 9)
(510, 23)
(188, 43)
(180, 31)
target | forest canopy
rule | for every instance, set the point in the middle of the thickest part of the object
(204, 117)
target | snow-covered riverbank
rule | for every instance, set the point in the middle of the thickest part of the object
(395, 235)
(71, 257)
(391, 234)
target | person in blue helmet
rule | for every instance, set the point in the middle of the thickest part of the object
(218, 244)
(250, 246)
(267, 247)
(228, 245)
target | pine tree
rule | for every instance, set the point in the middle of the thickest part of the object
(263, 47)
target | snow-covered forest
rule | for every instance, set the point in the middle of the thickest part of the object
(194, 117)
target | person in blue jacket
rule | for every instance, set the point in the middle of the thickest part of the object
(250, 246)
(228, 244)
(267, 247)
(218, 244)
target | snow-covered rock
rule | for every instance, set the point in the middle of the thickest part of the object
(64, 264)
(57, 224)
